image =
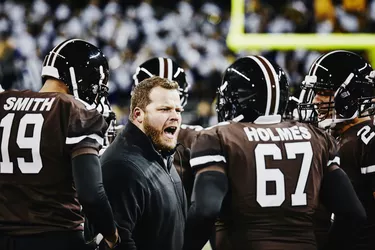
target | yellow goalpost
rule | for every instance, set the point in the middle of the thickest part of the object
(238, 40)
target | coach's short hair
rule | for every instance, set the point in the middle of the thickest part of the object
(141, 93)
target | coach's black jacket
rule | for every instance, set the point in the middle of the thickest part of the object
(145, 192)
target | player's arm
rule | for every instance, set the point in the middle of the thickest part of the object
(368, 165)
(338, 195)
(210, 188)
(127, 195)
(371, 178)
(88, 181)
(84, 138)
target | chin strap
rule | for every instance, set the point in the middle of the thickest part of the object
(330, 123)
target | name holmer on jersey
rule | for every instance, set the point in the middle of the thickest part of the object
(281, 134)
(28, 104)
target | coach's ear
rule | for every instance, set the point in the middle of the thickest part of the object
(138, 115)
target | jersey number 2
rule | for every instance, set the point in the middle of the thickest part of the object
(23, 142)
(264, 175)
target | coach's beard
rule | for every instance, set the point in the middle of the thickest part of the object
(157, 138)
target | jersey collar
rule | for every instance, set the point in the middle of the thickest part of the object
(268, 119)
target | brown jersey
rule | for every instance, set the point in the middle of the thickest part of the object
(357, 152)
(39, 132)
(186, 137)
(275, 172)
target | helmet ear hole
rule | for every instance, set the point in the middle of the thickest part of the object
(345, 103)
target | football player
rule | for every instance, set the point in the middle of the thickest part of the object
(263, 176)
(49, 156)
(342, 83)
(167, 68)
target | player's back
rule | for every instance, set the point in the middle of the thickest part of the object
(275, 172)
(38, 133)
(356, 151)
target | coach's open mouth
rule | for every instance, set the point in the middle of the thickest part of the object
(170, 131)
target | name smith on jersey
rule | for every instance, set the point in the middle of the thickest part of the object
(28, 104)
(280, 134)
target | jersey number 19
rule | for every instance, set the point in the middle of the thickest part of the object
(23, 142)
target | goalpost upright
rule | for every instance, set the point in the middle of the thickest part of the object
(238, 40)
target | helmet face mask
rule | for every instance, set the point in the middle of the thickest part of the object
(165, 68)
(344, 76)
(226, 105)
(81, 66)
(110, 117)
(252, 86)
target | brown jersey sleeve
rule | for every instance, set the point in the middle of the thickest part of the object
(328, 146)
(86, 127)
(367, 139)
(181, 159)
(332, 151)
(207, 150)
(188, 134)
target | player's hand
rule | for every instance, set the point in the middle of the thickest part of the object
(113, 241)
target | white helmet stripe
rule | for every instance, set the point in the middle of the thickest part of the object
(135, 78)
(268, 83)
(277, 84)
(50, 54)
(319, 60)
(146, 71)
(161, 66)
(55, 54)
(169, 69)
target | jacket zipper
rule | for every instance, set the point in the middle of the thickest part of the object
(180, 199)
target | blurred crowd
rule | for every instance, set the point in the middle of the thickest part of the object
(193, 33)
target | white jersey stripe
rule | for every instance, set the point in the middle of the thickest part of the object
(368, 170)
(206, 159)
(335, 160)
(74, 140)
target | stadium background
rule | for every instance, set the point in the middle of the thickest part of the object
(192, 32)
